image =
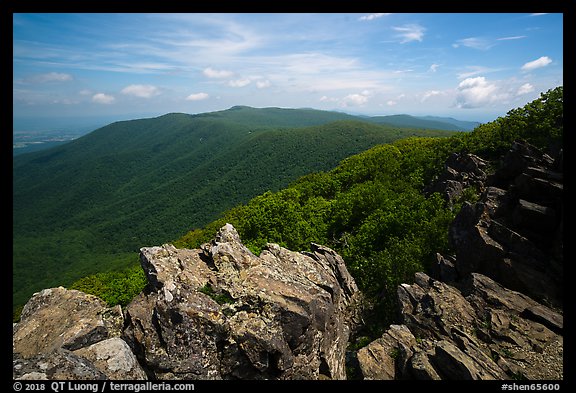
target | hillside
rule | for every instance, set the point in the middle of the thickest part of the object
(373, 209)
(450, 267)
(462, 125)
(89, 205)
(415, 122)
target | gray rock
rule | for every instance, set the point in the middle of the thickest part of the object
(223, 313)
(114, 358)
(59, 364)
(482, 331)
(61, 318)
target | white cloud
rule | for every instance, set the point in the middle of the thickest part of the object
(142, 91)
(48, 77)
(355, 99)
(391, 102)
(55, 77)
(212, 73)
(373, 16)
(263, 84)
(411, 32)
(430, 93)
(475, 70)
(516, 37)
(239, 82)
(101, 98)
(328, 99)
(197, 97)
(474, 43)
(475, 93)
(538, 63)
(525, 89)
(434, 67)
(538, 13)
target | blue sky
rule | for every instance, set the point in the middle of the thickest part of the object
(469, 66)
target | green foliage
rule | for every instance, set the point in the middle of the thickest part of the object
(539, 122)
(371, 208)
(17, 312)
(219, 297)
(115, 287)
(84, 207)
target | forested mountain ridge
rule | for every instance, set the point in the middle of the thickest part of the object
(376, 208)
(456, 246)
(89, 205)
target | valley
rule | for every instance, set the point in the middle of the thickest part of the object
(89, 205)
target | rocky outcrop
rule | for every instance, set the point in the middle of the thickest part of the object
(221, 312)
(494, 310)
(67, 334)
(514, 233)
(491, 311)
(484, 331)
(461, 171)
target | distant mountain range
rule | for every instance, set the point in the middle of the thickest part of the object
(29, 141)
(88, 205)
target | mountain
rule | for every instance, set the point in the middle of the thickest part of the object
(89, 205)
(461, 124)
(415, 122)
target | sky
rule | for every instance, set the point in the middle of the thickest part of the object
(470, 66)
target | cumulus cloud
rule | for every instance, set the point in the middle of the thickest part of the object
(142, 91)
(411, 32)
(355, 99)
(197, 97)
(328, 99)
(525, 89)
(212, 73)
(239, 82)
(430, 93)
(434, 67)
(263, 84)
(373, 16)
(101, 98)
(391, 102)
(475, 93)
(538, 63)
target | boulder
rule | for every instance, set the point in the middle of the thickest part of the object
(67, 334)
(62, 318)
(221, 312)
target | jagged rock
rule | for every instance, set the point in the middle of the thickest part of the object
(461, 171)
(60, 364)
(514, 233)
(521, 156)
(67, 334)
(444, 269)
(381, 357)
(61, 318)
(114, 358)
(534, 216)
(220, 312)
(481, 331)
